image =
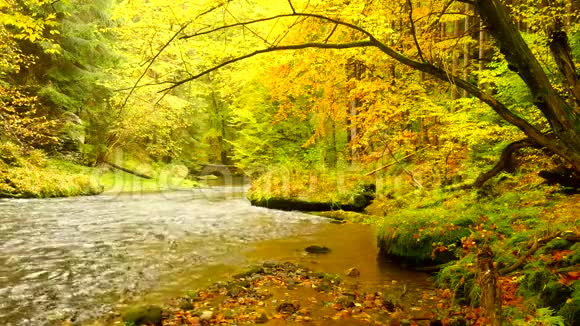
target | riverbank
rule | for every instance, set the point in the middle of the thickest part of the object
(33, 174)
(286, 293)
(526, 230)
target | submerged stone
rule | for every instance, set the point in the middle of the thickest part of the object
(353, 272)
(262, 319)
(143, 315)
(317, 250)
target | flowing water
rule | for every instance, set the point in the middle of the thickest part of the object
(84, 258)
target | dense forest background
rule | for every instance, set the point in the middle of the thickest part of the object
(101, 80)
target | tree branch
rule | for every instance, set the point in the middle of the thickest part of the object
(356, 44)
(564, 120)
(505, 161)
(331, 33)
(562, 54)
(149, 66)
(528, 129)
(535, 246)
(331, 20)
(413, 31)
(7, 126)
(472, 89)
(291, 6)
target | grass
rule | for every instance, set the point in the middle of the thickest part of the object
(122, 182)
(437, 227)
(324, 186)
(447, 228)
(32, 174)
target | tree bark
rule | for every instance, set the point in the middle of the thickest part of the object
(118, 167)
(466, 57)
(455, 60)
(481, 45)
(505, 162)
(487, 282)
(562, 54)
(564, 120)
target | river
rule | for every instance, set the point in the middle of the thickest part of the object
(85, 258)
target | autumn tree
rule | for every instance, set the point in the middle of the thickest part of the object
(365, 22)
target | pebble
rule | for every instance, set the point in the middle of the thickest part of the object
(206, 315)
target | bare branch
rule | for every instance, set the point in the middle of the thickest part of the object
(249, 29)
(331, 33)
(431, 69)
(413, 31)
(447, 5)
(149, 66)
(291, 6)
(356, 44)
(141, 86)
(7, 126)
(163, 49)
(331, 20)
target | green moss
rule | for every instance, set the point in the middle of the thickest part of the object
(143, 315)
(413, 235)
(333, 190)
(570, 311)
(574, 258)
(33, 175)
(557, 244)
(122, 182)
(460, 279)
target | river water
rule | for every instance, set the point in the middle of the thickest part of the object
(83, 259)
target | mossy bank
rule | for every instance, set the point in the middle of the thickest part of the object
(531, 228)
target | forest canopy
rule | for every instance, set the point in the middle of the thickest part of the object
(316, 83)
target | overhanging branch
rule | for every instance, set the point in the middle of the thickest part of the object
(431, 69)
(356, 44)
(296, 14)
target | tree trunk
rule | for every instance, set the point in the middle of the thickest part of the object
(487, 282)
(455, 60)
(505, 162)
(564, 119)
(118, 167)
(466, 57)
(481, 45)
(353, 111)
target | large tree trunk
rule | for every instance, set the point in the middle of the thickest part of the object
(564, 119)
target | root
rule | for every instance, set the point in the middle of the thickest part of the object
(505, 162)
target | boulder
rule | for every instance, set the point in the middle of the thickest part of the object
(353, 272)
(143, 315)
(317, 249)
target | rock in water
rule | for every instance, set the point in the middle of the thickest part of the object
(353, 272)
(143, 315)
(317, 250)
(287, 308)
(262, 319)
